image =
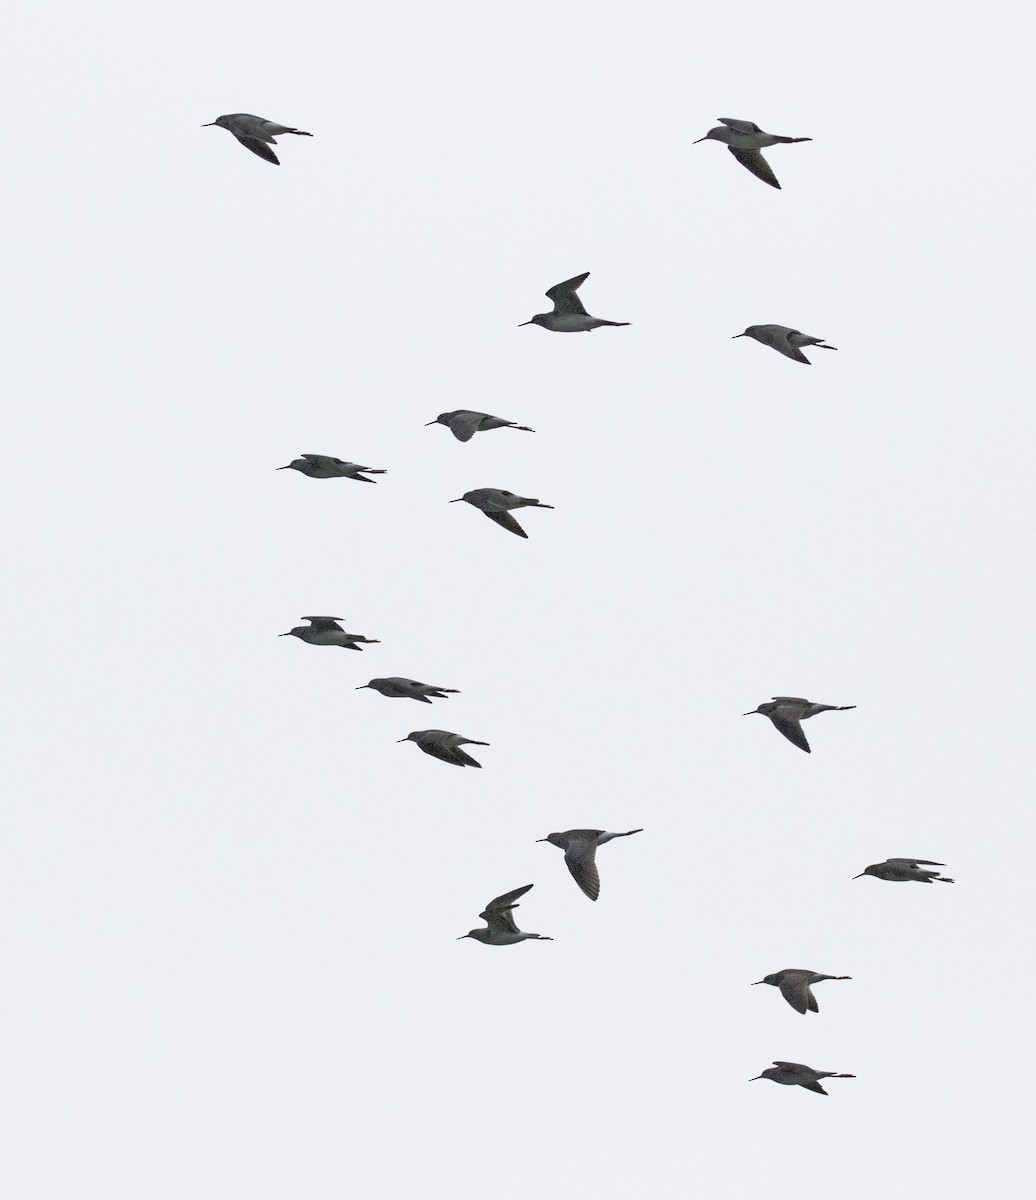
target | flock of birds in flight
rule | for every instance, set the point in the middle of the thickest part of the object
(745, 141)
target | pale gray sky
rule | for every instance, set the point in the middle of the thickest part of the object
(229, 900)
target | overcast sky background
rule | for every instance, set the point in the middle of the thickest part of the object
(228, 899)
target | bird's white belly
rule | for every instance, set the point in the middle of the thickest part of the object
(573, 323)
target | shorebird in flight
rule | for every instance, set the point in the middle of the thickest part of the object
(901, 870)
(446, 746)
(325, 631)
(569, 315)
(464, 423)
(496, 503)
(500, 929)
(788, 712)
(785, 340)
(324, 466)
(398, 688)
(795, 987)
(580, 847)
(745, 140)
(256, 133)
(807, 1077)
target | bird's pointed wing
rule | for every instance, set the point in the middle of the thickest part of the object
(464, 426)
(739, 126)
(463, 757)
(782, 342)
(580, 860)
(447, 754)
(325, 623)
(564, 295)
(787, 1066)
(506, 521)
(258, 146)
(798, 995)
(322, 460)
(791, 729)
(507, 900)
(813, 1006)
(754, 161)
(812, 1086)
(914, 862)
(791, 700)
(497, 914)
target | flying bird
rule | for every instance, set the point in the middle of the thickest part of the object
(397, 688)
(745, 140)
(900, 870)
(442, 744)
(324, 466)
(255, 132)
(580, 847)
(569, 315)
(496, 503)
(464, 423)
(325, 631)
(786, 341)
(788, 712)
(807, 1077)
(795, 987)
(500, 929)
